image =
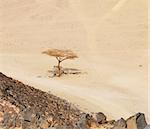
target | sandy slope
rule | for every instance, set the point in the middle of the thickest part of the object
(109, 36)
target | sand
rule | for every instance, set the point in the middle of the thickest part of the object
(110, 38)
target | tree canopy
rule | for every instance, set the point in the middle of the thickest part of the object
(61, 54)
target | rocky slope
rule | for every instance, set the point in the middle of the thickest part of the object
(24, 107)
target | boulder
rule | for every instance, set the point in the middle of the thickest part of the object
(101, 118)
(136, 122)
(85, 122)
(120, 124)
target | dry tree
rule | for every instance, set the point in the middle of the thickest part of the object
(60, 55)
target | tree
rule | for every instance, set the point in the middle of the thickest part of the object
(60, 55)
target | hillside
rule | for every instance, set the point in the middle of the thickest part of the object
(25, 107)
(33, 101)
(22, 106)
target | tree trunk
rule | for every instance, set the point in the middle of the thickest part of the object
(59, 68)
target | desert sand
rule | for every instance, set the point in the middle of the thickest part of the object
(109, 36)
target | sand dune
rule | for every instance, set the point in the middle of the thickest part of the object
(110, 38)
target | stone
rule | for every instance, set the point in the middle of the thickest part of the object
(27, 115)
(137, 121)
(101, 118)
(140, 120)
(84, 122)
(120, 124)
(147, 127)
(44, 124)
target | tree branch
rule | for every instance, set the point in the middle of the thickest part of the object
(63, 59)
(58, 58)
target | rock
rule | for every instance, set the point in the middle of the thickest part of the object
(101, 118)
(63, 127)
(1, 116)
(136, 122)
(140, 120)
(85, 122)
(147, 127)
(27, 115)
(120, 124)
(111, 122)
(44, 124)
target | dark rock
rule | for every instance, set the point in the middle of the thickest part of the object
(147, 127)
(101, 118)
(121, 123)
(84, 122)
(140, 120)
(137, 121)
(27, 115)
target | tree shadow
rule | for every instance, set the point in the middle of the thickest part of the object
(55, 72)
